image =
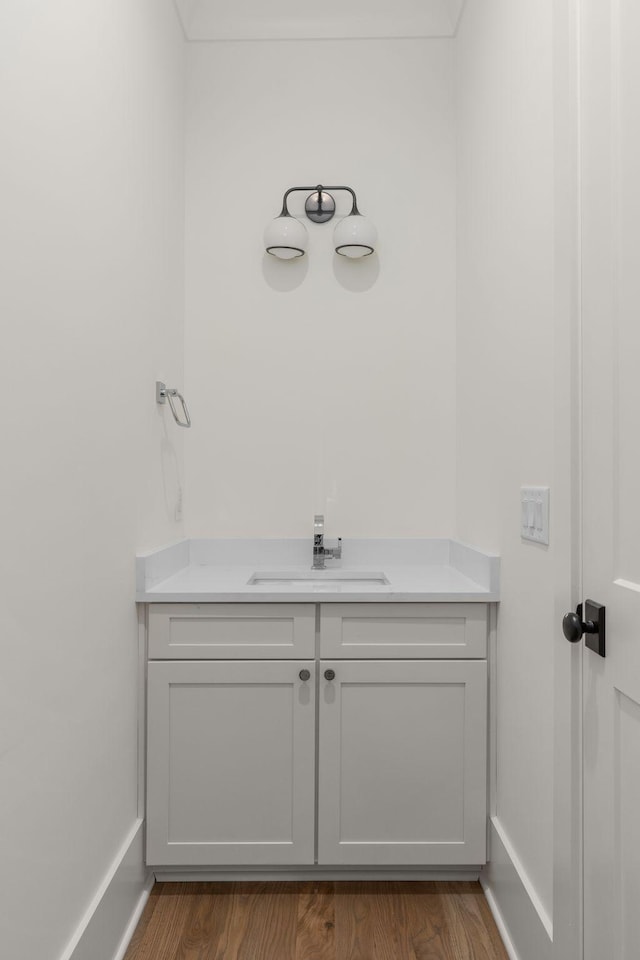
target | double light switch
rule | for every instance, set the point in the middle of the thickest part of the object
(534, 514)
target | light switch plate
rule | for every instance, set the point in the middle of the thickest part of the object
(534, 514)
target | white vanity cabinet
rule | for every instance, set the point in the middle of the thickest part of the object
(366, 746)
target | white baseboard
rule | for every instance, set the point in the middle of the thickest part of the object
(524, 925)
(108, 924)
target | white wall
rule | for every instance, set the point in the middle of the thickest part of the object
(505, 376)
(321, 385)
(91, 298)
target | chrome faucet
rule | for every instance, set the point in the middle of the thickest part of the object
(320, 552)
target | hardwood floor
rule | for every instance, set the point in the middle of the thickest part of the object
(316, 921)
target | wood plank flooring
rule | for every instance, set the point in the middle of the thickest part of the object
(317, 921)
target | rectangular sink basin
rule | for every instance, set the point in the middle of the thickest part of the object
(316, 578)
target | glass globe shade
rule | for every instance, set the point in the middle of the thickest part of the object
(355, 237)
(286, 238)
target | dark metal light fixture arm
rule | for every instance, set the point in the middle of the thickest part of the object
(319, 188)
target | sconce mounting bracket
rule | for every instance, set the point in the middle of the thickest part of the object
(320, 206)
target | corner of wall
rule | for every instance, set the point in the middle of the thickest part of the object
(524, 925)
(455, 9)
(111, 918)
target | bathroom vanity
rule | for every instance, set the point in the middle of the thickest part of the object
(315, 721)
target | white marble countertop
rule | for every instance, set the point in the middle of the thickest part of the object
(219, 571)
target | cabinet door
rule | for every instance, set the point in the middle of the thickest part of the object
(402, 765)
(445, 631)
(230, 763)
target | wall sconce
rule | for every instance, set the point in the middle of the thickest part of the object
(354, 237)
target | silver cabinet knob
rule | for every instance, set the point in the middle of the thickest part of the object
(329, 674)
(305, 675)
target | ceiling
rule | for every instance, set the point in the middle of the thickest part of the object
(328, 19)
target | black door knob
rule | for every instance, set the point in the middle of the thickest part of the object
(304, 675)
(574, 627)
(329, 674)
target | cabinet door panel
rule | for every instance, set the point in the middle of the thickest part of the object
(231, 756)
(231, 631)
(395, 630)
(402, 766)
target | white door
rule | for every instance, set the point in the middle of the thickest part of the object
(610, 202)
(402, 764)
(230, 763)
